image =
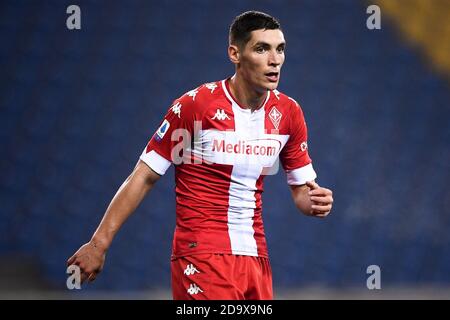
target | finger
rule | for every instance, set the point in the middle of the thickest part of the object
(321, 209)
(312, 185)
(320, 191)
(71, 260)
(322, 215)
(84, 276)
(324, 200)
(92, 277)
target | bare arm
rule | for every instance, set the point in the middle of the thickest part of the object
(91, 256)
(312, 200)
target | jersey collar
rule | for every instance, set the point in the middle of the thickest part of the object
(230, 97)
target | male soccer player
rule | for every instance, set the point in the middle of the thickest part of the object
(222, 137)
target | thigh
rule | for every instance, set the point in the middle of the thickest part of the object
(207, 277)
(259, 280)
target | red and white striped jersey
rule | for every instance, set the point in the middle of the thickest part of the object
(221, 154)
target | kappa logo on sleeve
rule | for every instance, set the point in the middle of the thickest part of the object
(162, 130)
(211, 86)
(176, 108)
(192, 94)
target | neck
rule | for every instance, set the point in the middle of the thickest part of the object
(247, 96)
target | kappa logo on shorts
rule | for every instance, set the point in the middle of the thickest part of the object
(194, 289)
(190, 269)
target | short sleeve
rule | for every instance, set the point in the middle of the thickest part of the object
(294, 156)
(170, 138)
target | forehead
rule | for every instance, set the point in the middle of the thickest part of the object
(272, 37)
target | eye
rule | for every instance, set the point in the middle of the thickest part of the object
(280, 49)
(259, 50)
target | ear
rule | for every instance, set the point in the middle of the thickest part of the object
(233, 53)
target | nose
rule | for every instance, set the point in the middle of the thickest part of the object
(275, 58)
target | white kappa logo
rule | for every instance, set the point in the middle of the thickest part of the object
(275, 117)
(176, 108)
(194, 289)
(190, 269)
(192, 94)
(220, 115)
(211, 86)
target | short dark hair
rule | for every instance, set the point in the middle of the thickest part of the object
(246, 22)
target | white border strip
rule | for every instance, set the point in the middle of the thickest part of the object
(156, 162)
(301, 175)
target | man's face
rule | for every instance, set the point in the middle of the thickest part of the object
(261, 59)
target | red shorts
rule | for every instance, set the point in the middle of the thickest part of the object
(221, 277)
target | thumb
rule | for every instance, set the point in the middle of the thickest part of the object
(312, 185)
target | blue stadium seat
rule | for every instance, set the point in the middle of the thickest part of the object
(77, 108)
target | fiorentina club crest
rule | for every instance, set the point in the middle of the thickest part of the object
(275, 117)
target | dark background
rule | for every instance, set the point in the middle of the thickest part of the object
(77, 108)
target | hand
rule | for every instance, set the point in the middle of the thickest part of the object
(321, 199)
(90, 258)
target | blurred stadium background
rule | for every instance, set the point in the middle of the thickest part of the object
(77, 108)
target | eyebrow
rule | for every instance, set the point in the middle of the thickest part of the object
(265, 44)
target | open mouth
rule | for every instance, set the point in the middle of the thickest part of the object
(272, 76)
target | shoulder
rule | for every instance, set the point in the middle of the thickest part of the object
(204, 92)
(288, 104)
(198, 99)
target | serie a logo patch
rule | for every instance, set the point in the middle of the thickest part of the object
(162, 130)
